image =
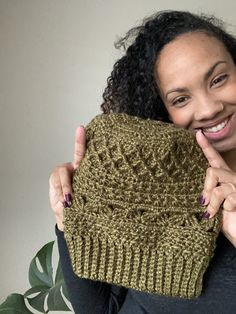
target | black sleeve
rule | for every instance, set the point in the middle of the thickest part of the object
(87, 296)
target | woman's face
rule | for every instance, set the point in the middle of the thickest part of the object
(196, 77)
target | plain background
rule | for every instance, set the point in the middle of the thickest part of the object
(55, 57)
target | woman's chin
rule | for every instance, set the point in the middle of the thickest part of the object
(224, 148)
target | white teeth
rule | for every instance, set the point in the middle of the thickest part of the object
(216, 128)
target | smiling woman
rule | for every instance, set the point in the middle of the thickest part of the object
(180, 69)
(198, 87)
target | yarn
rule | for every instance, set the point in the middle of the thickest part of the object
(135, 220)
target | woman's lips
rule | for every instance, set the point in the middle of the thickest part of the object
(219, 131)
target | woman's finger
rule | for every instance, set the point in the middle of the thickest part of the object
(214, 158)
(60, 191)
(55, 189)
(230, 202)
(219, 196)
(217, 176)
(65, 175)
(229, 223)
(80, 146)
(56, 198)
(60, 185)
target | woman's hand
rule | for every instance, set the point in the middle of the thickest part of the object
(219, 189)
(60, 185)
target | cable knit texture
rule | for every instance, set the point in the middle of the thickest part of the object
(135, 220)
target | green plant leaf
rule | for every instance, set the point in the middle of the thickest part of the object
(14, 304)
(36, 297)
(44, 258)
(55, 300)
(59, 275)
(42, 284)
(45, 294)
(34, 290)
(59, 278)
(64, 290)
(38, 301)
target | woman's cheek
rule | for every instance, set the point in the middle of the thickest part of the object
(180, 118)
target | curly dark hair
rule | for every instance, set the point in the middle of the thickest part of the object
(131, 87)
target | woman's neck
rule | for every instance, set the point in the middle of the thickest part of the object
(230, 158)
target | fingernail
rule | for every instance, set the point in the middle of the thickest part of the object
(68, 199)
(201, 200)
(206, 215)
(65, 204)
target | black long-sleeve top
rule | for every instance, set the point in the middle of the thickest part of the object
(94, 297)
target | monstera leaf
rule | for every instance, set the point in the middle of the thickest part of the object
(14, 304)
(46, 292)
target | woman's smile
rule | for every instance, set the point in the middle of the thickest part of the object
(219, 130)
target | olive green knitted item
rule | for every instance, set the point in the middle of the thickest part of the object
(135, 220)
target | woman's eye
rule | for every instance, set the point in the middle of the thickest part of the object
(218, 80)
(180, 100)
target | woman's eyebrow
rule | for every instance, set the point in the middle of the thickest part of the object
(206, 77)
(179, 90)
(212, 69)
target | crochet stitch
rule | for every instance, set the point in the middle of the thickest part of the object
(134, 219)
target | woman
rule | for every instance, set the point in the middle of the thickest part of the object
(180, 68)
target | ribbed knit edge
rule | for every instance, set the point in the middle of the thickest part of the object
(165, 273)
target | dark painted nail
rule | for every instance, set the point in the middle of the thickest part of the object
(65, 204)
(205, 215)
(68, 199)
(201, 200)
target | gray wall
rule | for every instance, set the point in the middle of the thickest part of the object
(55, 57)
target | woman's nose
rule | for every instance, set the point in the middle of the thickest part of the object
(208, 108)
